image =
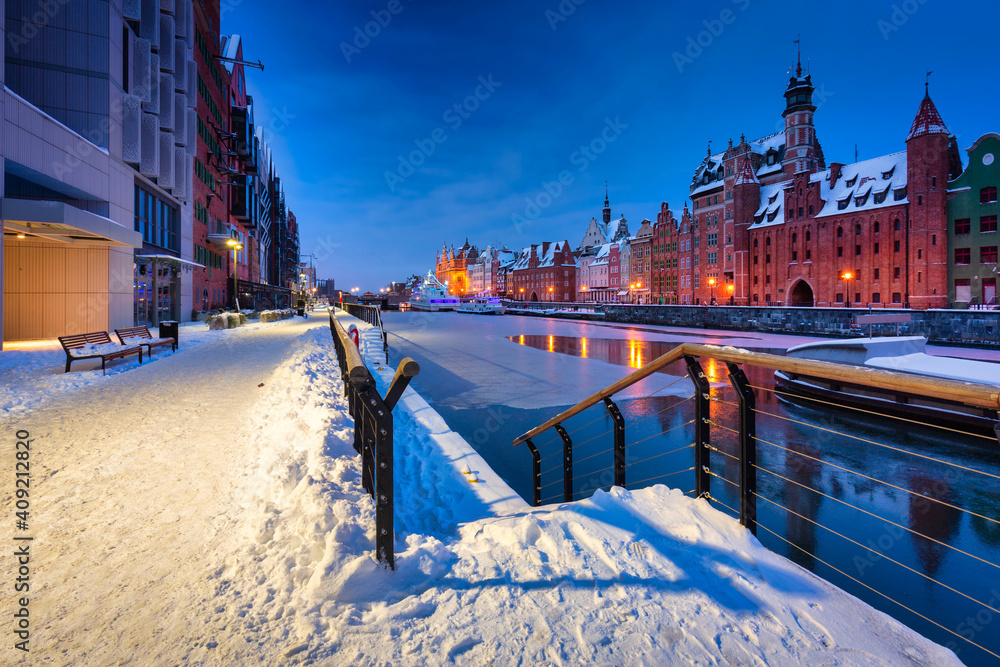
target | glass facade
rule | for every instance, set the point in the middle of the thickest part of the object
(156, 221)
(156, 288)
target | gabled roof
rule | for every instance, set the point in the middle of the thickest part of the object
(744, 174)
(863, 186)
(927, 121)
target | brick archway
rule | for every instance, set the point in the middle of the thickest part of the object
(801, 294)
(534, 296)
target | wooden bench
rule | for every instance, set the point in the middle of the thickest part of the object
(80, 342)
(143, 332)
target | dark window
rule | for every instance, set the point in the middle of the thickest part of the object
(811, 209)
(876, 297)
(767, 241)
(755, 258)
(988, 223)
(808, 235)
(875, 248)
(988, 255)
(801, 211)
(840, 297)
(962, 255)
(857, 230)
(857, 297)
(767, 258)
(840, 251)
(875, 274)
(895, 225)
(808, 254)
(840, 232)
(795, 256)
(962, 226)
(988, 195)
(895, 246)
(755, 280)
(755, 243)
(920, 253)
(933, 239)
(920, 200)
(795, 237)
(897, 297)
(895, 272)
(876, 226)
(857, 250)
(933, 181)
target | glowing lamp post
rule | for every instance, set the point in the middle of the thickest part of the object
(847, 275)
(732, 289)
(236, 246)
(711, 287)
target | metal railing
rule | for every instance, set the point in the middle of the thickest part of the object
(373, 435)
(373, 316)
(737, 453)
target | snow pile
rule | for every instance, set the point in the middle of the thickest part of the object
(231, 528)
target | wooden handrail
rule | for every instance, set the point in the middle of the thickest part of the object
(970, 393)
(356, 369)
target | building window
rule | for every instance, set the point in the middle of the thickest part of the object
(876, 297)
(875, 274)
(857, 230)
(988, 223)
(840, 251)
(895, 272)
(963, 289)
(857, 250)
(811, 209)
(840, 232)
(840, 297)
(895, 225)
(962, 255)
(895, 246)
(988, 255)
(962, 226)
(795, 256)
(755, 281)
(875, 248)
(988, 195)
(876, 226)
(920, 200)
(920, 253)
(808, 254)
(808, 235)
(897, 297)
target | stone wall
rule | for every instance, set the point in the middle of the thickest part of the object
(977, 327)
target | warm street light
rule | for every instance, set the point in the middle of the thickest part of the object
(846, 275)
(711, 285)
(732, 288)
(236, 246)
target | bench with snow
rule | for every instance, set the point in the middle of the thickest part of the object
(95, 345)
(140, 336)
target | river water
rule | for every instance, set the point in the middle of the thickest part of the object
(494, 378)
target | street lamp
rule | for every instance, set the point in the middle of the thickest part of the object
(847, 275)
(711, 286)
(732, 289)
(236, 246)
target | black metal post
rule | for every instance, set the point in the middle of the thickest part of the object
(536, 474)
(567, 463)
(384, 535)
(616, 416)
(367, 445)
(701, 430)
(748, 447)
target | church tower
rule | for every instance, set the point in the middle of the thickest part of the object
(746, 201)
(607, 207)
(800, 134)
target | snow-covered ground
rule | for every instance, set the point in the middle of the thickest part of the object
(206, 508)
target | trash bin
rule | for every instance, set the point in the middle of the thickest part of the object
(300, 307)
(169, 329)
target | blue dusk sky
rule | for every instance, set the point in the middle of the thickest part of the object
(401, 125)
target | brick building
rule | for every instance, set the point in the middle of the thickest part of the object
(451, 268)
(545, 272)
(772, 221)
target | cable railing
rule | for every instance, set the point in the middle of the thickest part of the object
(373, 316)
(726, 466)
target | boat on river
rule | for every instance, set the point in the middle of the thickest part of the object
(432, 296)
(482, 305)
(904, 354)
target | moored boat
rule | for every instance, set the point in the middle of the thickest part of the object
(432, 296)
(904, 354)
(482, 305)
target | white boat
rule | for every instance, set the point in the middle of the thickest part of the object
(904, 354)
(432, 296)
(482, 305)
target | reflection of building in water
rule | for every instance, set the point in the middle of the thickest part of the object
(932, 519)
(805, 502)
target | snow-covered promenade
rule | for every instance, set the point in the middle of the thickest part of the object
(184, 514)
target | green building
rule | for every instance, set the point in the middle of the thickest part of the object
(972, 227)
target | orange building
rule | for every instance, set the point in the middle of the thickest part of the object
(450, 267)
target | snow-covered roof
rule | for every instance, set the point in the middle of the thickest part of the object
(772, 205)
(863, 186)
(711, 165)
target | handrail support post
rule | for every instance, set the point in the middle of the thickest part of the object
(616, 416)
(748, 446)
(567, 463)
(702, 440)
(536, 474)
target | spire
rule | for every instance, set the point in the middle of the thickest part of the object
(607, 205)
(927, 120)
(744, 173)
(798, 65)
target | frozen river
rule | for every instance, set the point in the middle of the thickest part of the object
(494, 378)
